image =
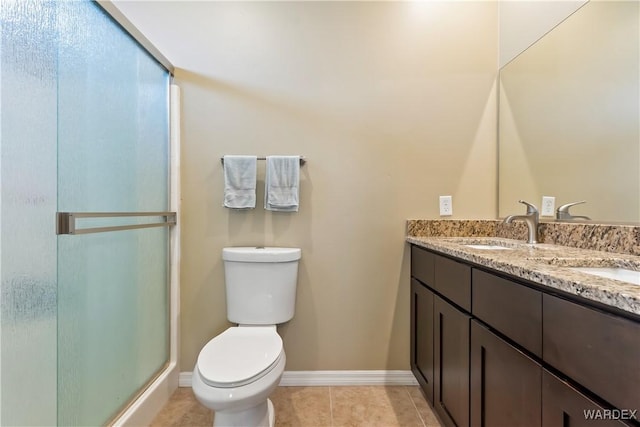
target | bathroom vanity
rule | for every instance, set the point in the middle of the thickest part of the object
(509, 334)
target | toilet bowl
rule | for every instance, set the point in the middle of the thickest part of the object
(237, 370)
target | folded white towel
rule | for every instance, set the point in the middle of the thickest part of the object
(282, 183)
(240, 182)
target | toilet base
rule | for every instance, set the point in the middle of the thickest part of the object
(272, 413)
(262, 415)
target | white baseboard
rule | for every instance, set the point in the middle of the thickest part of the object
(333, 378)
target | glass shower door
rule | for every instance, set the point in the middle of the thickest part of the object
(84, 322)
(27, 207)
(113, 157)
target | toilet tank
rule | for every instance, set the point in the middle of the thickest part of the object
(260, 284)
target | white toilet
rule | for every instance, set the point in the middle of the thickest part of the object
(237, 370)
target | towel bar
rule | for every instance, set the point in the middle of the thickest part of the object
(302, 160)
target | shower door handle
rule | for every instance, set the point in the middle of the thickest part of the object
(66, 221)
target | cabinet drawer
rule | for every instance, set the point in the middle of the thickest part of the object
(510, 308)
(453, 280)
(422, 265)
(598, 350)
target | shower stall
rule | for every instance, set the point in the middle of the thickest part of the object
(88, 213)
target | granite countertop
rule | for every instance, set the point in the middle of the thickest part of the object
(547, 265)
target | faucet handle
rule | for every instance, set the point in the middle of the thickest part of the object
(563, 211)
(565, 208)
(531, 209)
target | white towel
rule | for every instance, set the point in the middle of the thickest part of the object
(282, 183)
(240, 182)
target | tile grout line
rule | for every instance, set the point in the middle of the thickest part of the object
(331, 405)
(415, 407)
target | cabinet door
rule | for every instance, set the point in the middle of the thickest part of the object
(505, 383)
(422, 337)
(564, 406)
(451, 364)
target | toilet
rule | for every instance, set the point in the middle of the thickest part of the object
(237, 370)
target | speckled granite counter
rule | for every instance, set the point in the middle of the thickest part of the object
(548, 265)
(623, 239)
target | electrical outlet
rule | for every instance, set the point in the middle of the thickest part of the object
(548, 206)
(446, 206)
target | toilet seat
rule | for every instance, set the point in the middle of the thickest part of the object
(240, 355)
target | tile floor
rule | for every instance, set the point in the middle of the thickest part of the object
(383, 406)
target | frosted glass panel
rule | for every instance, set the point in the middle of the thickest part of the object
(112, 320)
(84, 128)
(28, 205)
(113, 117)
(112, 157)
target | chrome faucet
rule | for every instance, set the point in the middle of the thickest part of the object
(563, 211)
(531, 218)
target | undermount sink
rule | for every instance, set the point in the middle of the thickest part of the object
(622, 274)
(485, 243)
(610, 268)
(497, 244)
(488, 247)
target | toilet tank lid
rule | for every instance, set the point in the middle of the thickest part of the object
(261, 254)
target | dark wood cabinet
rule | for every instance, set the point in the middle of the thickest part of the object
(452, 279)
(422, 265)
(422, 337)
(451, 363)
(513, 310)
(600, 351)
(505, 383)
(564, 406)
(491, 351)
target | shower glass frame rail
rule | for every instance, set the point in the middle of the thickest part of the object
(66, 221)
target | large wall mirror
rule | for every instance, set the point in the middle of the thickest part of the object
(569, 116)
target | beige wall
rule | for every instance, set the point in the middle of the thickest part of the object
(522, 23)
(392, 103)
